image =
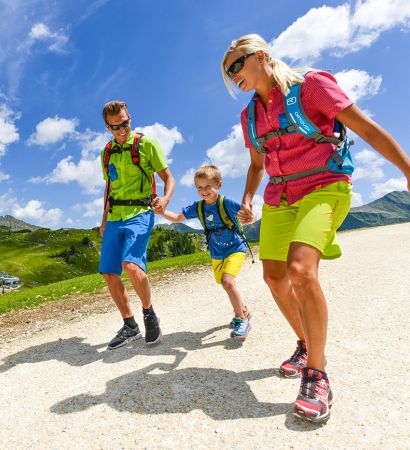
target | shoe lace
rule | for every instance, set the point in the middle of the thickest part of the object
(238, 324)
(314, 389)
(298, 356)
(123, 332)
(150, 320)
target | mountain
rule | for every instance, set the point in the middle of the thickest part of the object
(16, 225)
(180, 227)
(392, 208)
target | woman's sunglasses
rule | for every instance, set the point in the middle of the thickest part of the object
(125, 124)
(237, 65)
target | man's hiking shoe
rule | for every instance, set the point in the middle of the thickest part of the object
(125, 335)
(152, 330)
(292, 367)
(241, 328)
(315, 396)
(247, 314)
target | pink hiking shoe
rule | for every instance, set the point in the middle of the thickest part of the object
(292, 367)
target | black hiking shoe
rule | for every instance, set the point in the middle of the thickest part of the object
(152, 330)
(125, 335)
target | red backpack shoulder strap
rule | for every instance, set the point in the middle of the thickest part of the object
(107, 154)
(135, 153)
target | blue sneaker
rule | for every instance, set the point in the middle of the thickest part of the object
(241, 328)
(247, 314)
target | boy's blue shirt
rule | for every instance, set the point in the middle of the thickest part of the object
(222, 243)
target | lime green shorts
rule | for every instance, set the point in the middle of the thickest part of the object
(312, 220)
(231, 264)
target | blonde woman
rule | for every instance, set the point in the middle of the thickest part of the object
(304, 202)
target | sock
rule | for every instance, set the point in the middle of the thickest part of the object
(130, 322)
(147, 311)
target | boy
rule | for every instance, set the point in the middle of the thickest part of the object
(227, 247)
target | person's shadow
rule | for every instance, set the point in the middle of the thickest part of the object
(75, 352)
(162, 389)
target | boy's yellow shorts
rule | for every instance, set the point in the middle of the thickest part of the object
(231, 264)
(312, 220)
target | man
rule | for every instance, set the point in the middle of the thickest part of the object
(129, 162)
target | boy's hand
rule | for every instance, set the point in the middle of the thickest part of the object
(159, 204)
(246, 215)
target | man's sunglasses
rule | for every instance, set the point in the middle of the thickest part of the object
(125, 124)
(237, 65)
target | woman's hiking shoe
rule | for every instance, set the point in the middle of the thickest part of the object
(247, 314)
(125, 335)
(241, 328)
(292, 367)
(152, 330)
(315, 396)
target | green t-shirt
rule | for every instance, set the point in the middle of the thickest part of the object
(126, 178)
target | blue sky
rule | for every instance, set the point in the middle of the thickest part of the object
(61, 60)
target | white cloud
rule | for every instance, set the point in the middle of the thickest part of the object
(7, 201)
(87, 173)
(358, 83)
(188, 178)
(368, 165)
(167, 137)
(230, 155)
(8, 130)
(194, 223)
(91, 209)
(91, 142)
(357, 199)
(34, 210)
(52, 130)
(4, 176)
(257, 204)
(311, 34)
(393, 184)
(338, 30)
(41, 32)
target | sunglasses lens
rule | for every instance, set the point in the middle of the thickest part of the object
(117, 127)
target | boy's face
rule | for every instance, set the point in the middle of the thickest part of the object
(207, 189)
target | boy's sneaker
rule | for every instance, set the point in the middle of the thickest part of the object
(247, 314)
(125, 335)
(152, 330)
(315, 396)
(241, 328)
(292, 367)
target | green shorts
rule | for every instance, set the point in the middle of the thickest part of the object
(312, 220)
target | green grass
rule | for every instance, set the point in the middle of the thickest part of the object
(28, 298)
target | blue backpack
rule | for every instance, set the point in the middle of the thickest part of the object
(296, 121)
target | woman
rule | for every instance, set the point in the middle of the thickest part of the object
(301, 212)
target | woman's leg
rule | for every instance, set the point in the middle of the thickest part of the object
(276, 277)
(302, 269)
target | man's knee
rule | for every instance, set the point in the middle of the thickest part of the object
(133, 270)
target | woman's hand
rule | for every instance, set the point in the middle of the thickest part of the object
(245, 214)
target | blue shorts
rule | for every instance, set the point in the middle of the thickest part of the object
(126, 241)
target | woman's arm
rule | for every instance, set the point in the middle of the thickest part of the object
(377, 137)
(253, 180)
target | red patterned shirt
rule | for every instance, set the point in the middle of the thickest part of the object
(322, 99)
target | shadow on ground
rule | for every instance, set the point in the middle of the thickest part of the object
(75, 352)
(159, 389)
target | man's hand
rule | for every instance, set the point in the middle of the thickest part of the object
(246, 215)
(159, 204)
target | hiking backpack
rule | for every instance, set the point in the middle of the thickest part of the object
(227, 220)
(135, 157)
(296, 121)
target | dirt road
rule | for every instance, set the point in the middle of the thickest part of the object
(61, 388)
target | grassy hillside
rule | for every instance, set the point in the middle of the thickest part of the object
(46, 256)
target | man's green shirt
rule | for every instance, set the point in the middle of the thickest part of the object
(126, 178)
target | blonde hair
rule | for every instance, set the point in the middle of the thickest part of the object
(209, 172)
(281, 72)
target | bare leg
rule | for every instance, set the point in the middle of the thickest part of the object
(228, 283)
(119, 294)
(303, 264)
(140, 282)
(276, 277)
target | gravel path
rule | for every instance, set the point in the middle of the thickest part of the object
(61, 389)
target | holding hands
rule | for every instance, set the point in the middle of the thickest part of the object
(246, 215)
(159, 204)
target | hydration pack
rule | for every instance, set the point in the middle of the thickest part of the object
(295, 120)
